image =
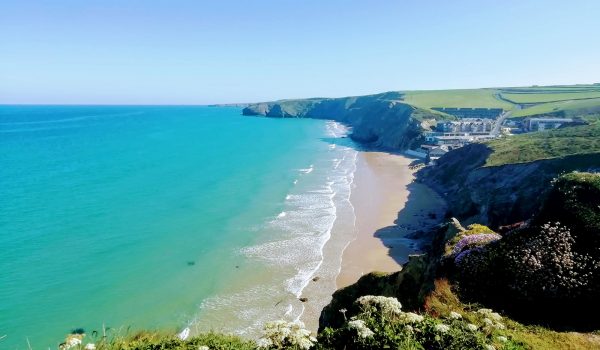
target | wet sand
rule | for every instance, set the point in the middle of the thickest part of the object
(388, 206)
(384, 206)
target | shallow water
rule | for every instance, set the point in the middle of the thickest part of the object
(148, 217)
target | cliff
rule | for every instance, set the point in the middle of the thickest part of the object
(497, 195)
(381, 120)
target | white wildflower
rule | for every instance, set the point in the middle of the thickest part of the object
(489, 347)
(411, 317)
(283, 334)
(72, 341)
(387, 305)
(495, 316)
(408, 328)
(471, 327)
(361, 328)
(264, 343)
(90, 346)
(488, 322)
(203, 347)
(442, 328)
(484, 312)
(455, 315)
(502, 339)
(499, 325)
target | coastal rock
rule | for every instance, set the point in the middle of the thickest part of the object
(408, 286)
(496, 195)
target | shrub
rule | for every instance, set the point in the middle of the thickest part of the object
(530, 269)
(547, 266)
(378, 327)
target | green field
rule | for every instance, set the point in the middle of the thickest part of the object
(546, 144)
(572, 99)
(568, 108)
(549, 97)
(465, 98)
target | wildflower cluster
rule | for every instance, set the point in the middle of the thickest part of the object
(382, 324)
(385, 305)
(472, 241)
(282, 334)
(471, 230)
(361, 328)
(547, 264)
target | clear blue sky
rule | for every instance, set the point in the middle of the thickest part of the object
(196, 52)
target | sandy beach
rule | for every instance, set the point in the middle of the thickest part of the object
(383, 207)
(388, 205)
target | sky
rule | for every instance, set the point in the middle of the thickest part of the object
(226, 51)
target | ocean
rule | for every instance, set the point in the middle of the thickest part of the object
(164, 217)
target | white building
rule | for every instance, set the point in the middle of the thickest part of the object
(540, 124)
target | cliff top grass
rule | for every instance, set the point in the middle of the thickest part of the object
(584, 139)
(573, 107)
(520, 97)
(442, 300)
(463, 98)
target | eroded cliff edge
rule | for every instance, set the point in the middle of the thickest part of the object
(497, 195)
(381, 120)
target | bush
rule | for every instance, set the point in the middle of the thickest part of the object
(530, 269)
(381, 324)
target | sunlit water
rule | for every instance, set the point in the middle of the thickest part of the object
(161, 217)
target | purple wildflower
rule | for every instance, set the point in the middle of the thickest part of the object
(474, 240)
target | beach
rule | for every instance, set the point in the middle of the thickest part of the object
(388, 206)
(384, 206)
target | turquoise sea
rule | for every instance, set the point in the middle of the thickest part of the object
(161, 217)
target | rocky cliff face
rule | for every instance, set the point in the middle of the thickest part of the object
(381, 120)
(497, 195)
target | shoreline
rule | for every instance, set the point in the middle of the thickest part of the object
(371, 232)
(389, 207)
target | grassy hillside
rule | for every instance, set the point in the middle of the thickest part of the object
(567, 100)
(464, 98)
(549, 97)
(530, 147)
(566, 108)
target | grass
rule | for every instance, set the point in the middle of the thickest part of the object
(443, 300)
(146, 340)
(464, 98)
(549, 97)
(556, 143)
(571, 107)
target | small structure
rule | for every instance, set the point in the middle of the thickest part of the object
(470, 125)
(540, 124)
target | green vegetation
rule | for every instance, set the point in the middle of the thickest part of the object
(565, 108)
(553, 260)
(574, 202)
(444, 300)
(584, 139)
(465, 98)
(549, 97)
(155, 341)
